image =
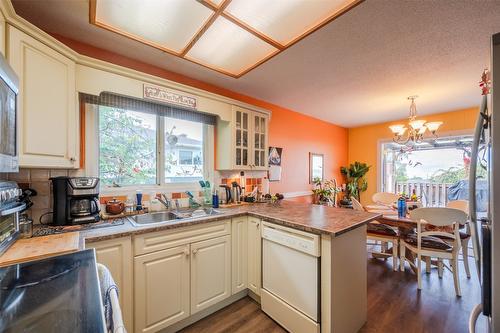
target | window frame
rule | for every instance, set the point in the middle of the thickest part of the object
(92, 153)
(380, 153)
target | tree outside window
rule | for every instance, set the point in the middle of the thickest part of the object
(129, 149)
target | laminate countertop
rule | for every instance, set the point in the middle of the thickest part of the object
(306, 217)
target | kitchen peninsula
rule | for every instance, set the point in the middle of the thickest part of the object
(341, 235)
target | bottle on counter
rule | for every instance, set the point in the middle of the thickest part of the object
(138, 196)
(402, 206)
(215, 199)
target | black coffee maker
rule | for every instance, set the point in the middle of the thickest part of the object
(76, 200)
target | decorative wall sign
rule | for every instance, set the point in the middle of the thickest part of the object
(274, 162)
(168, 96)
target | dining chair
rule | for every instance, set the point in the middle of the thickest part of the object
(383, 201)
(379, 232)
(429, 243)
(463, 205)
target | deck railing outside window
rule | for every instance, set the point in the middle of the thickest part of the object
(432, 194)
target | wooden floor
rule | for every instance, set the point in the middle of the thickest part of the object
(394, 305)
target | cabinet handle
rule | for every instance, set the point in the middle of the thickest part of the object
(72, 159)
(186, 252)
(258, 225)
(195, 251)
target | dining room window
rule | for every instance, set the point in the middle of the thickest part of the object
(435, 169)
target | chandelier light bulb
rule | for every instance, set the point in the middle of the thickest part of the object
(433, 126)
(398, 129)
(417, 124)
(422, 130)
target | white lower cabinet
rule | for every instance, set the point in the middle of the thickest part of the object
(239, 254)
(210, 272)
(180, 272)
(116, 255)
(254, 255)
(161, 288)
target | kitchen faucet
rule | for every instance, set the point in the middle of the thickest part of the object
(165, 201)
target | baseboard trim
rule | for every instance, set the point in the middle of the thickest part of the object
(297, 194)
(206, 312)
(253, 296)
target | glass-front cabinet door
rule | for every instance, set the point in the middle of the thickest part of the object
(242, 134)
(259, 147)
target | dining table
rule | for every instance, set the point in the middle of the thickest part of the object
(405, 225)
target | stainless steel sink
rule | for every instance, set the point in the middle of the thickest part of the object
(172, 216)
(196, 213)
(153, 218)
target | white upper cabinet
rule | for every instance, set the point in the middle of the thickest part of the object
(242, 144)
(3, 28)
(47, 103)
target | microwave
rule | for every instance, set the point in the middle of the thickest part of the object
(9, 89)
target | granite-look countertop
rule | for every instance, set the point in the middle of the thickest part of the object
(306, 217)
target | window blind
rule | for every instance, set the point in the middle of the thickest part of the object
(141, 105)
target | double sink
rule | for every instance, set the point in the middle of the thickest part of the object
(172, 216)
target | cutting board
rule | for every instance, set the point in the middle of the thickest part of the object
(40, 247)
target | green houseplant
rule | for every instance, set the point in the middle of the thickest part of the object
(355, 179)
(325, 192)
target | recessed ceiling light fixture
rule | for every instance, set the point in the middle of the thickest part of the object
(229, 36)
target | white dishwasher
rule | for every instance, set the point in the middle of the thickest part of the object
(290, 277)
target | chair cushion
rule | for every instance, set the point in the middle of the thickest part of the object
(430, 227)
(429, 242)
(463, 235)
(380, 229)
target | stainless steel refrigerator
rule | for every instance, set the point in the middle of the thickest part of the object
(485, 228)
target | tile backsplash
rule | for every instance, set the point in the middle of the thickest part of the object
(39, 180)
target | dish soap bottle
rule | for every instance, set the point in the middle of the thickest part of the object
(215, 199)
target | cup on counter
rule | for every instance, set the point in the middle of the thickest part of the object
(25, 227)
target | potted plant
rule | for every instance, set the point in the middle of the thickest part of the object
(355, 180)
(325, 192)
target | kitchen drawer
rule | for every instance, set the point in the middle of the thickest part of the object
(161, 240)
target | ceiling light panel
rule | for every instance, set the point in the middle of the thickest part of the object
(216, 2)
(229, 48)
(285, 20)
(165, 24)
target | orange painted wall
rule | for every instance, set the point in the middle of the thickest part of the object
(296, 133)
(364, 141)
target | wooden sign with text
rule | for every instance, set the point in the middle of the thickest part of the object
(168, 96)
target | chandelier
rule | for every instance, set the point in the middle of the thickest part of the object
(415, 129)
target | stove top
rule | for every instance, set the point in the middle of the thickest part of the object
(58, 294)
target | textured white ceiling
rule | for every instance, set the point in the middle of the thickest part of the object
(357, 70)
